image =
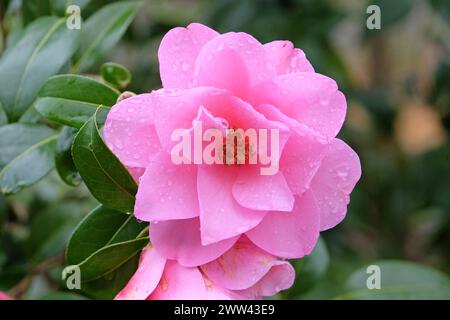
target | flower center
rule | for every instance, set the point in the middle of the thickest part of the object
(237, 147)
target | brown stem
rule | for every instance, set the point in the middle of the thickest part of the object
(21, 288)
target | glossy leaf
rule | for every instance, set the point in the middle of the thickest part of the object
(3, 116)
(108, 286)
(116, 74)
(101, 227)
(399, 280)
(393, 11)
(102, 31)
(16, 138)
(72, 100)
(30, 116)
(104, 175)
(109, 258)
(63, 157)
(27, 155)
(45, 47)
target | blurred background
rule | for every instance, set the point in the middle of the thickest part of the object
(397, 83)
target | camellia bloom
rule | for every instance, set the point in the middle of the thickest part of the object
(244, 272)
(199, 211)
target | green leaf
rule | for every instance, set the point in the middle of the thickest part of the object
(14, 37)
(102, 31)
(310, 270)
(108, 286)
(399, 280)
(109, 258)
(101, 227)
(3, 116)
(30, 116)
(107, 179)
(40, 53)
(27, 155)
(393, 12)
(72, 100)
(16, 138)
(59, 222)
(116, 74)
(63, 157)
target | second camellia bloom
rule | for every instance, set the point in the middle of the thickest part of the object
(244, 272)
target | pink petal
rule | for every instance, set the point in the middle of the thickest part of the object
(239, 62)
(334, 181)
(286, 59)
(167, 191)
(240, 114)
(136, 173)
(210, 121)
(203, 121)
(4, 296)
(180, 240)
(214, 292)
(302, 153)
(178, 51)
(280, 277)
(129, 131)
(262, 192)
(289, 235)
(177, 108)
(146, 277)
(300, 161)
(310, 98)
(221, 217)
(240, 267)
(179, 283)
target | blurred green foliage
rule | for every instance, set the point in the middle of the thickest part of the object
(397, 84)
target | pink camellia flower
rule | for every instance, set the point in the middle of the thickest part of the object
(244, 272)
(199, 211)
